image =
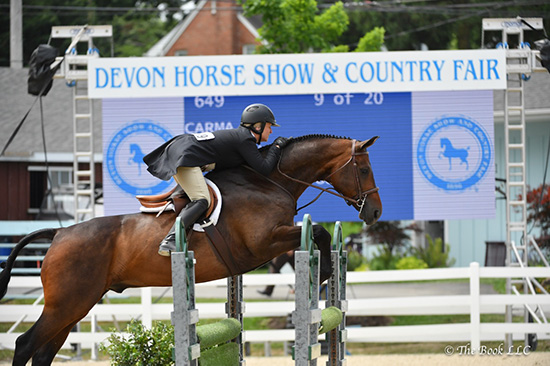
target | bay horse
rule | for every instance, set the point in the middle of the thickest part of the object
(88, 259)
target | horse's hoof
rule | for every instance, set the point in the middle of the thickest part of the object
(164, 253)
(165, 250)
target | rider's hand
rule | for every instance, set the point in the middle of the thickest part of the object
(281, 142)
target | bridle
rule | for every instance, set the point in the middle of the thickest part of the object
(359, 199)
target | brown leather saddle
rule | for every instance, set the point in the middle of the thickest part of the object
(160, 203)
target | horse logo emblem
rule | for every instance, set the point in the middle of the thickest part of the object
(450, 152)
(454, 153)
(136, 157)
(124, 157)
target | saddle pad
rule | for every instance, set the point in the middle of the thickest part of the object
(214, 216)
(217, 210)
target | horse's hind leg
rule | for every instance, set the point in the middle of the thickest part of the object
(323, 239)
(37, 336)
(45, 355)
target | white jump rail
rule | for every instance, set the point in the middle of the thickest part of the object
(473, 303)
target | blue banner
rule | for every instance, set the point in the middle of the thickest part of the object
(434, 159)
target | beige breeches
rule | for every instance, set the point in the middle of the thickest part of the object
(193, 183)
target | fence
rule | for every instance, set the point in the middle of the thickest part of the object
(473, 304)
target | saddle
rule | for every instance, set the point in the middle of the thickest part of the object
(176, 199)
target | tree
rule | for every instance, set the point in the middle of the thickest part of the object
(294, 26)
(136, 24)
(390, 233)
(438, 24)
(297, 26)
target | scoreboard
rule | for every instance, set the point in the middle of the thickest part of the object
(434, 159)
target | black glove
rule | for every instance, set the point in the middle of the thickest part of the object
(281, 141)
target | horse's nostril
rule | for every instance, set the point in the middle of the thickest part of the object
(376, 214)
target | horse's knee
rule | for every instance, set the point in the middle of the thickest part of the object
(321, 237)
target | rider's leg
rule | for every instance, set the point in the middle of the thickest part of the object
(193, 183)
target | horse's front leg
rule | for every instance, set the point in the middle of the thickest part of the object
(288, 237)
(323, 239)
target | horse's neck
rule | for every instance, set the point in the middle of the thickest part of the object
(310, 161)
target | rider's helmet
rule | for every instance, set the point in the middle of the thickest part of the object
(255, 116)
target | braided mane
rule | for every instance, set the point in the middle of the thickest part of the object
(309, 137)
(316, 136)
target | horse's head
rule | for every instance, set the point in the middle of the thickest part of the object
(355, 179)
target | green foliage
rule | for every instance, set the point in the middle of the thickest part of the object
(339, 48)
(410, 263)
(348, 227)
(142, 347)
(355, 260)
(136, 24)
(297, 26)
(371, 41)
(384, 259)
(435, 254)
(135, 36)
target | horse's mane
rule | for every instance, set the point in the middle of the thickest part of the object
(307, 138)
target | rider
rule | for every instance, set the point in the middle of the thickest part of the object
(184, 157)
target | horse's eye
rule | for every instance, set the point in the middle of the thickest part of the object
(364, 170)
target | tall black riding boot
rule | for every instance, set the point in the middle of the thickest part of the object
(189, 215)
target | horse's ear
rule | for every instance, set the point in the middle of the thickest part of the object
(364, 144)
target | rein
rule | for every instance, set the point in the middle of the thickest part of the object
(277, 184)
(359, 198)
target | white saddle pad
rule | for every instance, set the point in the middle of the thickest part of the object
(197, 227)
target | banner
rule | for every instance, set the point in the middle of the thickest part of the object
(310, 73)
(434, 159)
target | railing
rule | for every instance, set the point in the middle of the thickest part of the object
(22, 228)
(473, 304)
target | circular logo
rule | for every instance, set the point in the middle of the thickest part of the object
(454, 153)
(124, 158)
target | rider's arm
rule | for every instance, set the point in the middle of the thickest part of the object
(256, 161)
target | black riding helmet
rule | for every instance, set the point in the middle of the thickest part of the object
(257, 113)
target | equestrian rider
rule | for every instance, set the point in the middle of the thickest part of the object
(186, 156)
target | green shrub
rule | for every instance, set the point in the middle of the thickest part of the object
(355, 260)
(433, 254)
(410, 263)
(142, 346)
(384, 259)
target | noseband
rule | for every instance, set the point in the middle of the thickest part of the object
(361, 196)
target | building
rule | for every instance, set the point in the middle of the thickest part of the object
(212, 28)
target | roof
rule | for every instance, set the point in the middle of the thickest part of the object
(536, 98)
(162, 47)
(58, 118)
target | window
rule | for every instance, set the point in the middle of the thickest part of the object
(248, 49)
(180, 53)
(42, 196)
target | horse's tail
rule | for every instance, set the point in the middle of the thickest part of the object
(6, 273)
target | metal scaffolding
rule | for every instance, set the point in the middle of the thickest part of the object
(521, 61)
(74, 71)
